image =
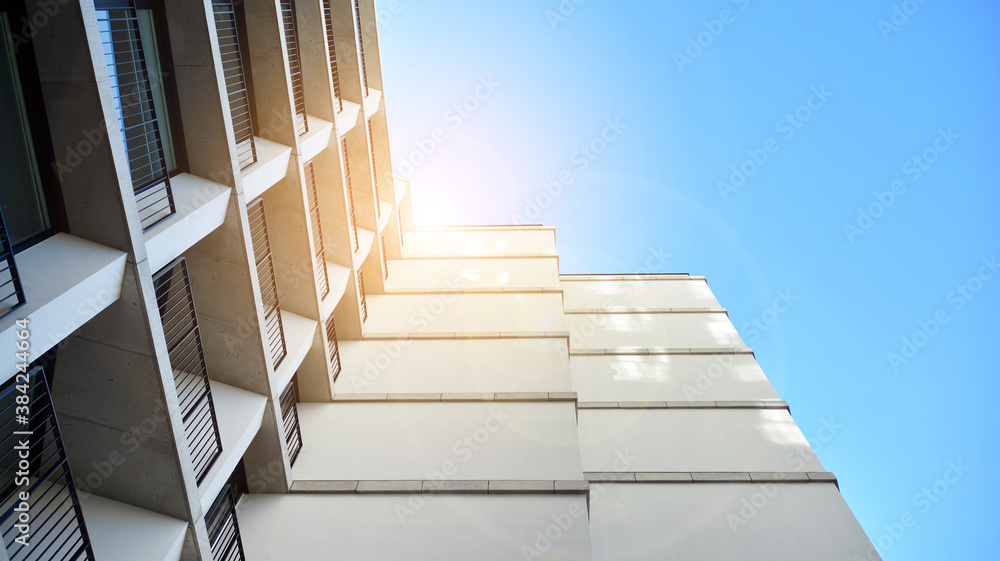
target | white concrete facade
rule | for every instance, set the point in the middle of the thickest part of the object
(381, 391)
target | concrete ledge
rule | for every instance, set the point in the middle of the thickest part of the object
(466, 335)
(511, 487)
(481, 256)
(710, 477)
(453, 397)
(477, 290)
(720, 477)
(433, 486)
(436, 486)
(682, 405)
(661, 351)
(645, 277)
(324, 486)
(612, 310)
(389, 486)
(609, 477)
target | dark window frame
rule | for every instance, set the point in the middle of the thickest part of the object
(38, 127)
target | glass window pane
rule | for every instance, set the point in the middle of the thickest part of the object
(21, 195)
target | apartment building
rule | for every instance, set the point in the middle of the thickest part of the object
(228, 341)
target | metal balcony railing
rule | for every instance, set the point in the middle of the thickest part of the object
(223, 528)
(371, 152)
(361, 46)
(175, 302)
(274, 331)
(319, 251)
(40, 514)
(361, 291)
(290, 418)
(133, 96)
(385, 259)
(328, 19)
(350, 195)
(331, 340)
(11, 291)
(294, 64)
(236, 84)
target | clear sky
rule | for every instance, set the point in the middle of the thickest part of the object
(841, 158)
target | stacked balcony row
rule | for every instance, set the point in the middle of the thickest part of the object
(178, 297)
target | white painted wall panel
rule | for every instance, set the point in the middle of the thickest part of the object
(695, 440)
(592, 295)
(479, 242)
(687, 330)
(472, 273)
(675, 377)
(414, 527)
(450, 313)
(496, 440)
(454, 365)
(719, 521)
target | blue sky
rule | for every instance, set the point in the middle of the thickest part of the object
(843, 155)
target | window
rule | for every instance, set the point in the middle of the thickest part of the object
(328, 18)
(29, 196)
(361, 46)
(231, 44)
(294, 65)
(137, 54)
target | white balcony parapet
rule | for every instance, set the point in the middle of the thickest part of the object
(385, 211)
(201, 208)
(348, 118)
(372, 102)
(299, 334)
(339, 278)
(239, 414)
(270, 168)
(317, 139)
(67, 281)
(365, 239)
(121, 532)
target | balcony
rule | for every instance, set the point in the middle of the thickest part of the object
(270, 168)
(316, 140)
(201, 208)
(67, 281)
